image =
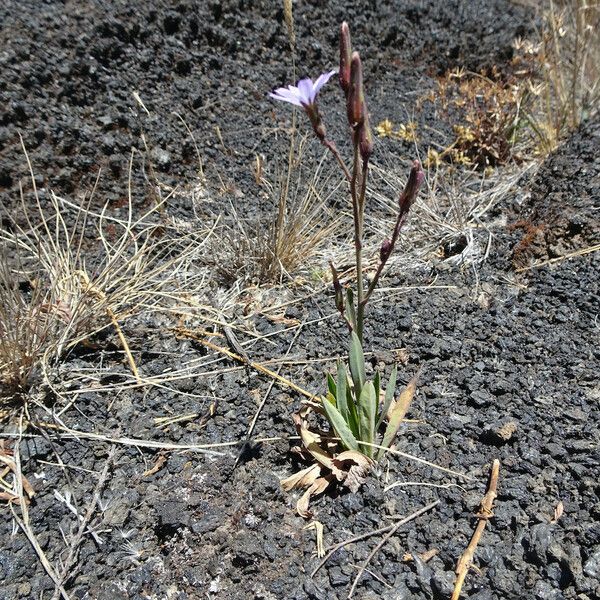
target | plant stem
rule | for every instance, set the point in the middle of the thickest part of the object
(358, 233)
(330, 145)
(399, 223)
(361, 299)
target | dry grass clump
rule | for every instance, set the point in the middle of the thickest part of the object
(55, 292)
(566, 60)
(552, 84)
(268, 251)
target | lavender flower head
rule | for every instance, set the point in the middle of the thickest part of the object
(304, 93)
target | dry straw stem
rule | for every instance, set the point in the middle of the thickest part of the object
(288, 17)
(569, 57)
(484, 514)
(22, 518)
(263, 401)
(553, 261)
(257, 366)
(387, 536)
(76, 539)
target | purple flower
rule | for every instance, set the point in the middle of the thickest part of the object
(305, 93)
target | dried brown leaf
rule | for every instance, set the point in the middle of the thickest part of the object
(160, 461)
(312, 443)
(9, 497)
(318, 487)
(302, 479)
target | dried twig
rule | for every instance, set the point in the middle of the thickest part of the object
(484, 514)
(22, 519)
(387, 536)
(552, 261)
(264, 400)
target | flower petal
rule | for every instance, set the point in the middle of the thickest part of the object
(305, 87)
(322, 80)
(287, 95)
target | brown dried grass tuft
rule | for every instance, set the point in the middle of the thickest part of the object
(269, 252)
(55, 294)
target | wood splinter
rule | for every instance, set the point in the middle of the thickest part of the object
(485, 513)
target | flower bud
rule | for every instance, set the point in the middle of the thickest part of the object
(337, 287)
(365, 137)
(385, 250)
(356, 94)
(345, 58)
(411, 189)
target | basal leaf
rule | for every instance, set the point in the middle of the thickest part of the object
(356, 359)
(331, 385)
(340, 426)
(398, 412)
(389, 396)
(377, 386)
(342, 385)
(352, 410)
(367, 413)
(350, 311)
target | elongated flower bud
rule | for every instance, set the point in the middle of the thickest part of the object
(385, 250)
(365, 137)
(345, 58)
(356, 94)
(337, 287)
(411, 189)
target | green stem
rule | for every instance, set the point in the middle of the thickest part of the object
(361, 299)
(336, 153)
(357, 232)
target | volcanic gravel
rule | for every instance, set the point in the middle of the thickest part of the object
(509, 353)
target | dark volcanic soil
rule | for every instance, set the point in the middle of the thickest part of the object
(510, 356)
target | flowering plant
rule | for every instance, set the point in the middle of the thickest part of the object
(352, 404)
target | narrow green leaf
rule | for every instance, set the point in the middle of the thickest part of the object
(342, 385)
(340, 426)
(367, 412)
(331, 386)
(398, 412)
(352, 409)
(389, 396)
(356, 359)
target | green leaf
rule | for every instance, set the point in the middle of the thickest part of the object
(340, 426)
(331, 386)
(356, 359)
(352, 409)
(389, 396)
(342, 385)
(367, 412)
(398, 412)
